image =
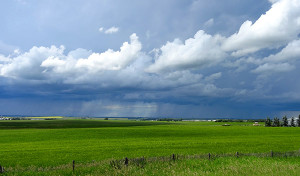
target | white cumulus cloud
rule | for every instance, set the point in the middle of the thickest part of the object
(288, 54)
(112, 60)
(283, 61)
(41, 63)
(27, 65)
(277, 27)
(201, 51)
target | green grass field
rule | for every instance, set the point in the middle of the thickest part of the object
(38, 145)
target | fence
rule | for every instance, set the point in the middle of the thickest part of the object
(142, 161)
(118, 164)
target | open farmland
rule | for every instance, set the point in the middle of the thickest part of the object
(43, 117)
(54, 144)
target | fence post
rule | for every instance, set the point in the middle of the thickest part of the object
(272, 153)
(1, 169)
(173, 157)
(209, 156)
(126, 161)
(237, 154)
(73, 165)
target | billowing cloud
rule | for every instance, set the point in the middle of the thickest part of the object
(44, 63)
(201, 51)
(277, 27)
(283, 61)
(111, 60)
(27, 65)
(289, 53)
(95, 62)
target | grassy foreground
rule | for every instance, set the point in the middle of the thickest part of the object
(218, 166)
(48, 147)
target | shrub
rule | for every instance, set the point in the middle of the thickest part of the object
(276, 122)
(293, 122)
(268, 122)
(284, 121)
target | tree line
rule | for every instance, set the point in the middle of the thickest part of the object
(240, 120)
(276, 122)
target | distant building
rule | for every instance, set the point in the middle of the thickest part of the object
(4, 118)
(256, 124)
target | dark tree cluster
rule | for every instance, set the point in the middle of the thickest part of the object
(169, 119)
(283, 122)
(240, 120)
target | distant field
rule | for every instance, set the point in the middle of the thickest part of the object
(63, 124)
(45, 117)
(55, 143)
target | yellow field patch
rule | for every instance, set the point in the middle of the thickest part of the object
(47, 117)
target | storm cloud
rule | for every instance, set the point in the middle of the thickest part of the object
(249, 72)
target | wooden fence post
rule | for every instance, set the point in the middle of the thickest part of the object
(73, 165)
(126, 161)
(272, 153)
(209, 156)
(237, 154)
(173, 157)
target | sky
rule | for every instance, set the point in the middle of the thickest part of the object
(158, 58)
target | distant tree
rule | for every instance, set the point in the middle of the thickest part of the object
(276, 122)
(106, 118)
(298, 121)
(268, 122)
(293, 122)
(284, 121)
